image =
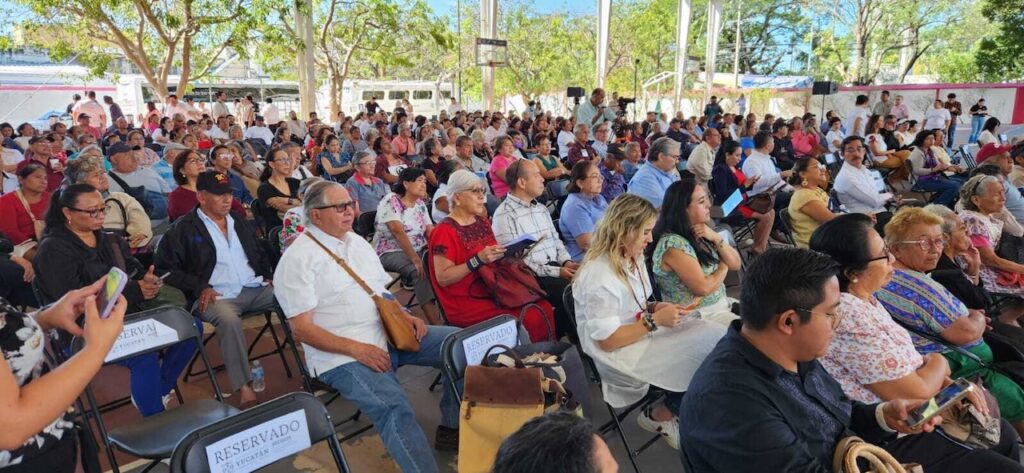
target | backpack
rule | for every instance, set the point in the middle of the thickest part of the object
(509, 282)
(154, 203)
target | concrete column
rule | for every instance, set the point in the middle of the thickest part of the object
(306, 62)
(604, 18)
(714, 31)
(488, 29)
(682, 43)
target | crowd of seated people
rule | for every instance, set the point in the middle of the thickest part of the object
(622, 211)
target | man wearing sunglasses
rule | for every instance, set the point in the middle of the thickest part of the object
(212, 255)
(343, 338)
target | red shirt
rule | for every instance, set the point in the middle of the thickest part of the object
(458, 244)
(53, 178)
(181, 201)
(15, 221)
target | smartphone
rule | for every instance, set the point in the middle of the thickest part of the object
(112, 289)
(946, 398)
(693, 305)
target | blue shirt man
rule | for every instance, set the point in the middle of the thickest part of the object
(652, 179)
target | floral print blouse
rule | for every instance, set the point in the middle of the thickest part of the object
(22, 343)
(672, 288)
(414, 220)
(868, 347)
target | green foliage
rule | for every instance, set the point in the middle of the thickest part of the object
(997, 56)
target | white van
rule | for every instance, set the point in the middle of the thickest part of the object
(426, 97)
(133, 92)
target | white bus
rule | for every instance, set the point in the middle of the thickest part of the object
(426, 97)
(133, 92)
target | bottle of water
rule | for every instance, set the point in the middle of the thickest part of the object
(258, 384)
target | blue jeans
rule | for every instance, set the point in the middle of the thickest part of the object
(946, 188)
(976, 124)
(951, 133)
(381, 397)
(152, 378)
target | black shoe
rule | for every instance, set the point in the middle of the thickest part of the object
(446, 439)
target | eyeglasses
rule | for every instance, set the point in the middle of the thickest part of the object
(96, 213)
(225, 156)
(832, 317)
(925, 243)
(282, 160)
(340, 207)
(477, 190)
(886, 254)
(195, 161)
(596, 176)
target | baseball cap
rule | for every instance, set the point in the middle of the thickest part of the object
(214, 182)
(118, 148)
(989, 151)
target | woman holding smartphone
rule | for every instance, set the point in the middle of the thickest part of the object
(39, 433)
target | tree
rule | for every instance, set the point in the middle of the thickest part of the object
(159, 38)
(354, 36)
(997, 56)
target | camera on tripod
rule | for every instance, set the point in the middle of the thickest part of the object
(623, 103)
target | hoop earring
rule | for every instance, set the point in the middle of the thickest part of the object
(803, 182)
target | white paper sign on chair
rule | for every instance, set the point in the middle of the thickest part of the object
(261, 445)
(140, 336)
(477, 345)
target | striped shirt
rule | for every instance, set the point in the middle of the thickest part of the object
(919, 301)
(513, 218)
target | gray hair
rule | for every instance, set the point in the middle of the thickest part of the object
(581, 127)
(78, 169)
(459, 181)
(976, 186)
(478, 135)
(660, 146)
(631, 146)
(316, 195)
(231, 129)
(306, 184)
(949, 217)
(360, 155)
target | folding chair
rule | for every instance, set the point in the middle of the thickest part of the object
(652, 396)
(364, 224)
(453, 350)
(155, 437)
(926, 195)
(193, 453)
(312, 383)
(786, 227)
(268, 326)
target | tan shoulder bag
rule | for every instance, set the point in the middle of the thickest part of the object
(400, 332)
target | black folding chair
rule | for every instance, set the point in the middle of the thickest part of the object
(312, 383)
(653, 395)
(364, 224)
(268, 327)
(155, 437)
(925, 194)
(786, 227)
(453, 351)
(191, 454)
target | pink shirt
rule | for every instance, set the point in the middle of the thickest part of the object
(497, 183)
(868, 347)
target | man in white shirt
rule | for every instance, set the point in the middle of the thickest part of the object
(454, 108)
(272, 115)
(220, 132)
(260, 130)
(298, 127)
(173, 107)
(702, 158)
(340, 329)
(220, 108)
(496, 129)
(520, 214)
(593, 112)
(760, 165)
(857, 117)
(855, 184)
(92, 108)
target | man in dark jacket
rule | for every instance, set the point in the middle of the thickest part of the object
(214, 258)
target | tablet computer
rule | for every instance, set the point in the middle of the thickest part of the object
(732, 202)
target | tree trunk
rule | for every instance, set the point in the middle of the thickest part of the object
(336, 81)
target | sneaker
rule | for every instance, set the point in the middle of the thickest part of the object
(669, 430)
(446, 439)
(166, 399)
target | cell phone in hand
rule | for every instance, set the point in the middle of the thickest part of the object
(112, 289)
(949, 396)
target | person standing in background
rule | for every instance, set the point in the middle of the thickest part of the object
(979, 113)
(115, 109)
(883, 107)
(742, 103)
(220, 109)
(955, 110)
(899, 109)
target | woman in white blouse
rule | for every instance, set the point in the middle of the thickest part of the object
(835, 135)
(636, 343)
(988, 133)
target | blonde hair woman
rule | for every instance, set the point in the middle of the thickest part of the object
(636, 343)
